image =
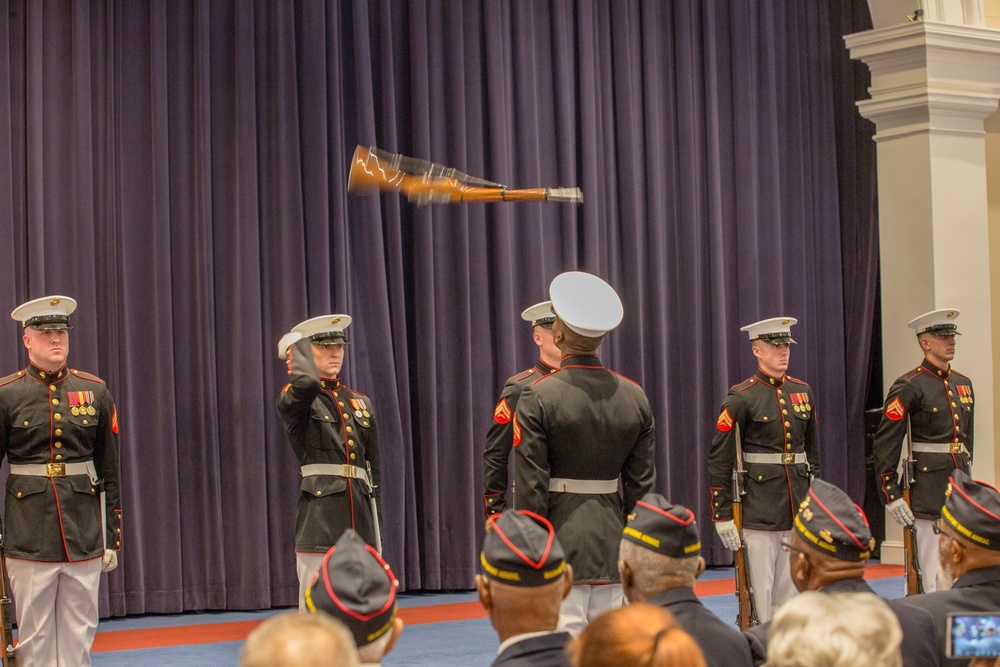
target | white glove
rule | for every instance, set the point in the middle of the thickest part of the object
(730, 536)
(109, 560)
(900, 512)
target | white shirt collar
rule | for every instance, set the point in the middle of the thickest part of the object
(510, 641)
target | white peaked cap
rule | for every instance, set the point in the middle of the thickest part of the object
(47, 312)
(941, 321)
(774, 330)
(540, 313)
(286, 342)
(588, 305)
(325, 328)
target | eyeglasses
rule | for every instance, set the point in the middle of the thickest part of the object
(788, 546)
(937, 529)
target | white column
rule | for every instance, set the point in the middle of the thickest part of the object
(933, 84)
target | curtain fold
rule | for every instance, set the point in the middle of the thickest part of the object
(180, 168)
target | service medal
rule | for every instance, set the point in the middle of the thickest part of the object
(91, 411)
(75, 410)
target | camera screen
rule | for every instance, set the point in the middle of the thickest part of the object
(974, 635)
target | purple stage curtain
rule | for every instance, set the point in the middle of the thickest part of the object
(180, 168)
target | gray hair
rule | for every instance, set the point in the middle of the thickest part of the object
(815, 629)
(654, 572)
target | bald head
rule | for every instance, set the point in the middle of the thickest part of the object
(514, 610)
(292, 639)
(811, 569)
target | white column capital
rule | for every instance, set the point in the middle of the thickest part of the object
(929, 77)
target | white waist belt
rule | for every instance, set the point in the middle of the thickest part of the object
(941, 447)
(779, 459)
(54, 469)
(562, 485)
(337, 469)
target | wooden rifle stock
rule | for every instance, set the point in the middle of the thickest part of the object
(7, 656)
(914, 582)
(370, 172)
(747, 613)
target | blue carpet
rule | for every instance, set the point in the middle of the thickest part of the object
(467, 642)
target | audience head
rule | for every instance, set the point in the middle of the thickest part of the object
(834, 630)
(291, 639)
(660, 549)
(637, 635)
(355, 586)
(525, 575)
(831, 539)
(969, 527)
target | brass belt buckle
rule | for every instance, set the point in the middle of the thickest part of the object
(350, 471)
(55, 469)
(787, 459)
(956, 448)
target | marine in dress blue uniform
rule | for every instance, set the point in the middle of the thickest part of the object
(524, 579)
(332, 430)
(577, 431)
(499, 439)
(63, 509)
(660, 561)
(769, 419)
(828, 551)
(969, 547)
(937, 404)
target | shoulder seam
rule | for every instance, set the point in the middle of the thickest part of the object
(547, 375)
(84, 375)
(625, 377)
(523, 375)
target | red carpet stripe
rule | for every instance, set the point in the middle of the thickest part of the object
(207, 633)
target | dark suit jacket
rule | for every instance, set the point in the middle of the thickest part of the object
(543, 651)
(918, 628)
(721, 643)
(978, 590)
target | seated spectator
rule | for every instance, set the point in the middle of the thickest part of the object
(356, 587)
(834, 630)
(524, 581)
(829, 549)
(291, 639)
(639, 635)
(969, 549)
(659, 560)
